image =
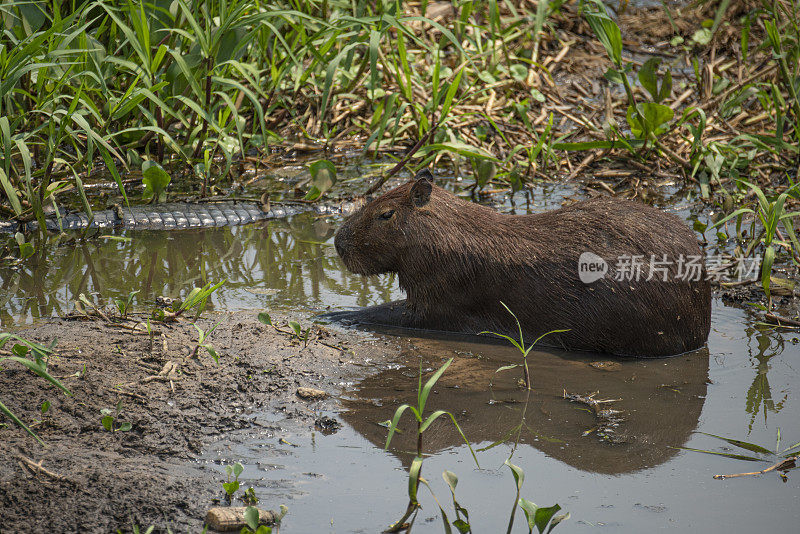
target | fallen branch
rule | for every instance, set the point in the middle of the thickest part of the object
(783, 465)
(36, 468)
(780, 320)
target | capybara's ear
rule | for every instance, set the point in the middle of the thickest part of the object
(421, 190)
(424, 173)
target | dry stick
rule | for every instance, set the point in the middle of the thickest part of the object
(36, 467)
(713, 102)
(585, 163)
(781, 321)
(783, 465)
(400, 164)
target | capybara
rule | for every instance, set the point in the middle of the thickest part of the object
(620, 276)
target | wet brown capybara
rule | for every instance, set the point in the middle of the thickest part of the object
(623, 277)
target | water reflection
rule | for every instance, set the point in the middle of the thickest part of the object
(286, 263)
(763, 345)
(660, 403)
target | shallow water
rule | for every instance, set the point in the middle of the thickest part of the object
(741, 387)
(636, 479)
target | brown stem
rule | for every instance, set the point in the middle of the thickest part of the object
(400, 164)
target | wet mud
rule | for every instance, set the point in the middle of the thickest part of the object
(95, 480)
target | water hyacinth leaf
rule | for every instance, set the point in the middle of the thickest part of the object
(251, 516)
(265, 318)
(543, 516)
(530, 511)
(155, 180)
(519, 474)
(124, 427)
(451, 479)
(298, 330)
(648, 76)
(323, 177)
(108, 422)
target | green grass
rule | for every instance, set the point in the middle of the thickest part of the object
(493, 89)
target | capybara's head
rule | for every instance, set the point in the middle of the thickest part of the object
(371, 240)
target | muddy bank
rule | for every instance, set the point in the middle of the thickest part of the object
(101, 481)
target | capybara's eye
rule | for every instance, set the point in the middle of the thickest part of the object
(386, 215)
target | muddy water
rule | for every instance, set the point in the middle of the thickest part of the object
(632, 478)
(622, 476)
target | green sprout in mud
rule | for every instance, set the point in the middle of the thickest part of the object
(519, 344)
(231, 487)
(38, 365)
(782, 459)
(297, 331)
(196, 300)
(111, 421)
(414, 472)
(202, 342)
(124, 306)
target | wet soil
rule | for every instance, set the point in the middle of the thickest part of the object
(94, 480)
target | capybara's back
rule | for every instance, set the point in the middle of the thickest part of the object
(620, 276)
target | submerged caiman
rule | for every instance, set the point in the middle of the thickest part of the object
(180, 215)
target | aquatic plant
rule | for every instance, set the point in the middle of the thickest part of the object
(157, 87)
(232, 486)
(111, 422)
(202, 341)
(784, 459)
(124, 306)
(38, 365)
(296, 332)
(772, 215)
(414, 471)
(196, 299)
(519, 344)
(537, 516)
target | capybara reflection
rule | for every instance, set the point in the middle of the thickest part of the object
(622, 277)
